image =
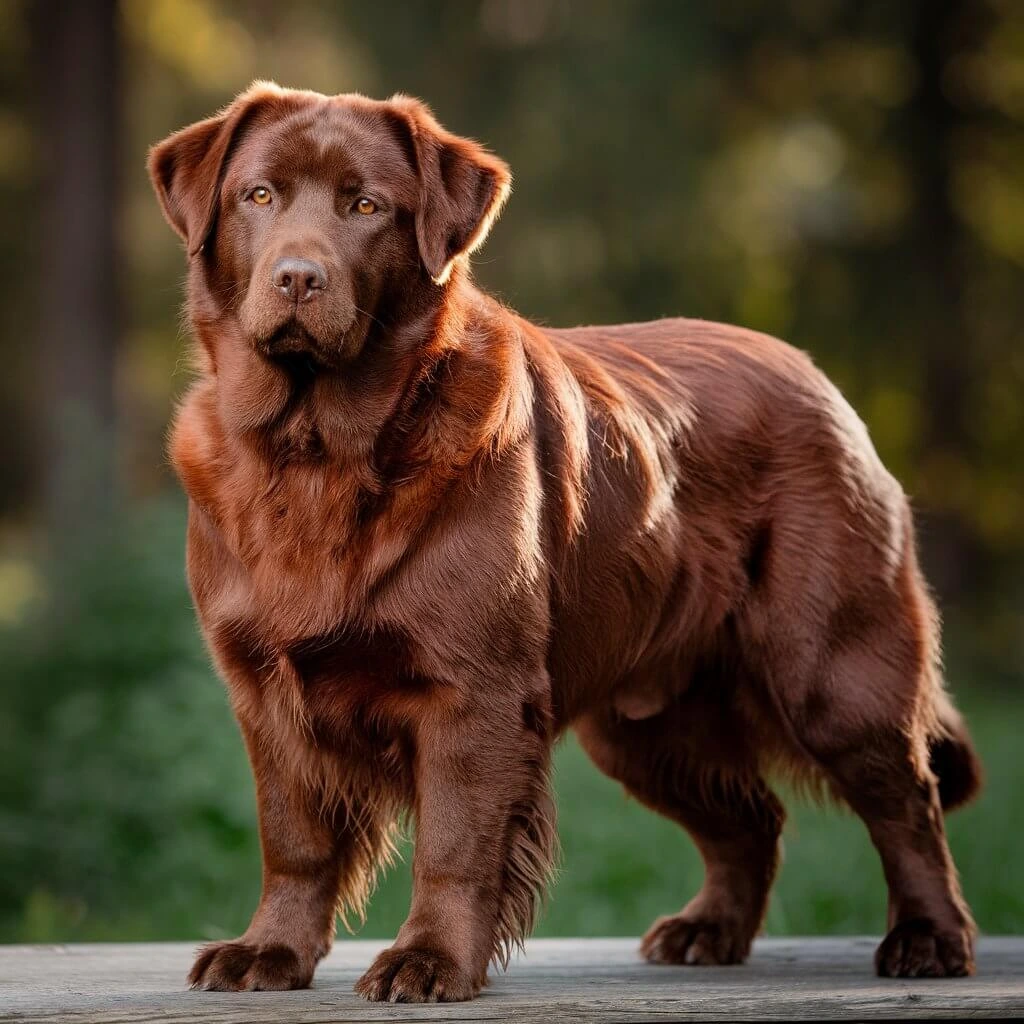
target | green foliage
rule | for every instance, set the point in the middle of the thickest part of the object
(127, 804)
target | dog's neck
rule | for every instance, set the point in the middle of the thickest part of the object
(437, 391)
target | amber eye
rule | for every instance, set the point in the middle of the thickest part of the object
(365, 205)
(260, 196)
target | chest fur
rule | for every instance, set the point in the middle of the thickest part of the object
(292, 541)
(286, 569)
(334, 591)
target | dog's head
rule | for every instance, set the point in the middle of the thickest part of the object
(310, 219)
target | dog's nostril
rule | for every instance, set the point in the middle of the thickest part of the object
(299, 279)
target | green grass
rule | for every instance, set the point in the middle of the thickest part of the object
(127, 811)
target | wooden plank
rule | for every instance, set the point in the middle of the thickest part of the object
(557, 980)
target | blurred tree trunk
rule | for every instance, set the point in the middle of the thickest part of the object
(937, 240)
(76, 58)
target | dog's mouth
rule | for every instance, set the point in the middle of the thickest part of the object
(292, 344)
(292, 339)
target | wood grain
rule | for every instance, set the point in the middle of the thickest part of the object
(557, 980)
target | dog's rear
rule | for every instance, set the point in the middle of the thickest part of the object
(770, 616)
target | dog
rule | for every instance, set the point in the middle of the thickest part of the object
(427, 537)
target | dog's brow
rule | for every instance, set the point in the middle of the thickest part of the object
(328, 135)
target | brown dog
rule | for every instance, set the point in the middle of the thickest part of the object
(427, 536)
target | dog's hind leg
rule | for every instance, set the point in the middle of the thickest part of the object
(866, 718)
(678, 764)
(882, 772)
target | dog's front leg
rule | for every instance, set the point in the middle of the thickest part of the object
(312, 854)
(485, 847)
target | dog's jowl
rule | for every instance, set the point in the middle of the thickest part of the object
(427, 537)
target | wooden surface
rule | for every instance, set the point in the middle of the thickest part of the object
(557, 980)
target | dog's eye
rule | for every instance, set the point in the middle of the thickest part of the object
(260, 196)
(366, 206)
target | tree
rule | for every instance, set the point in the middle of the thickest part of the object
(76, 281)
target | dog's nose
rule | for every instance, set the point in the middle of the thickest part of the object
(300, 280)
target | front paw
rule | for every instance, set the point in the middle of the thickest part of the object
(416, 976)
(248, 967)
(696, 941)
(918, 949)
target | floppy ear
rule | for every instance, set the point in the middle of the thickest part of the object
(462, 189)
(187, 168)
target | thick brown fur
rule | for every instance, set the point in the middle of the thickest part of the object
(426, 537)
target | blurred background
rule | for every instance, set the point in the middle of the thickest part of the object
(848, 174)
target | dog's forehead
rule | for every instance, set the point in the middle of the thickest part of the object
(329, 139)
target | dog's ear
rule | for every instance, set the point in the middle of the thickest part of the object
(462, 188)
(188, 167)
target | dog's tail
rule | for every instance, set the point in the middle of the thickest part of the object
(952, 757)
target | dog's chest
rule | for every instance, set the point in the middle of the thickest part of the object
(284, 590)
(309, 555)
(345, 695)
(290, 527)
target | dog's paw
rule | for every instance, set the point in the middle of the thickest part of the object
(416, 976)
(696, 941)
(917, 949)
(244, 967)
